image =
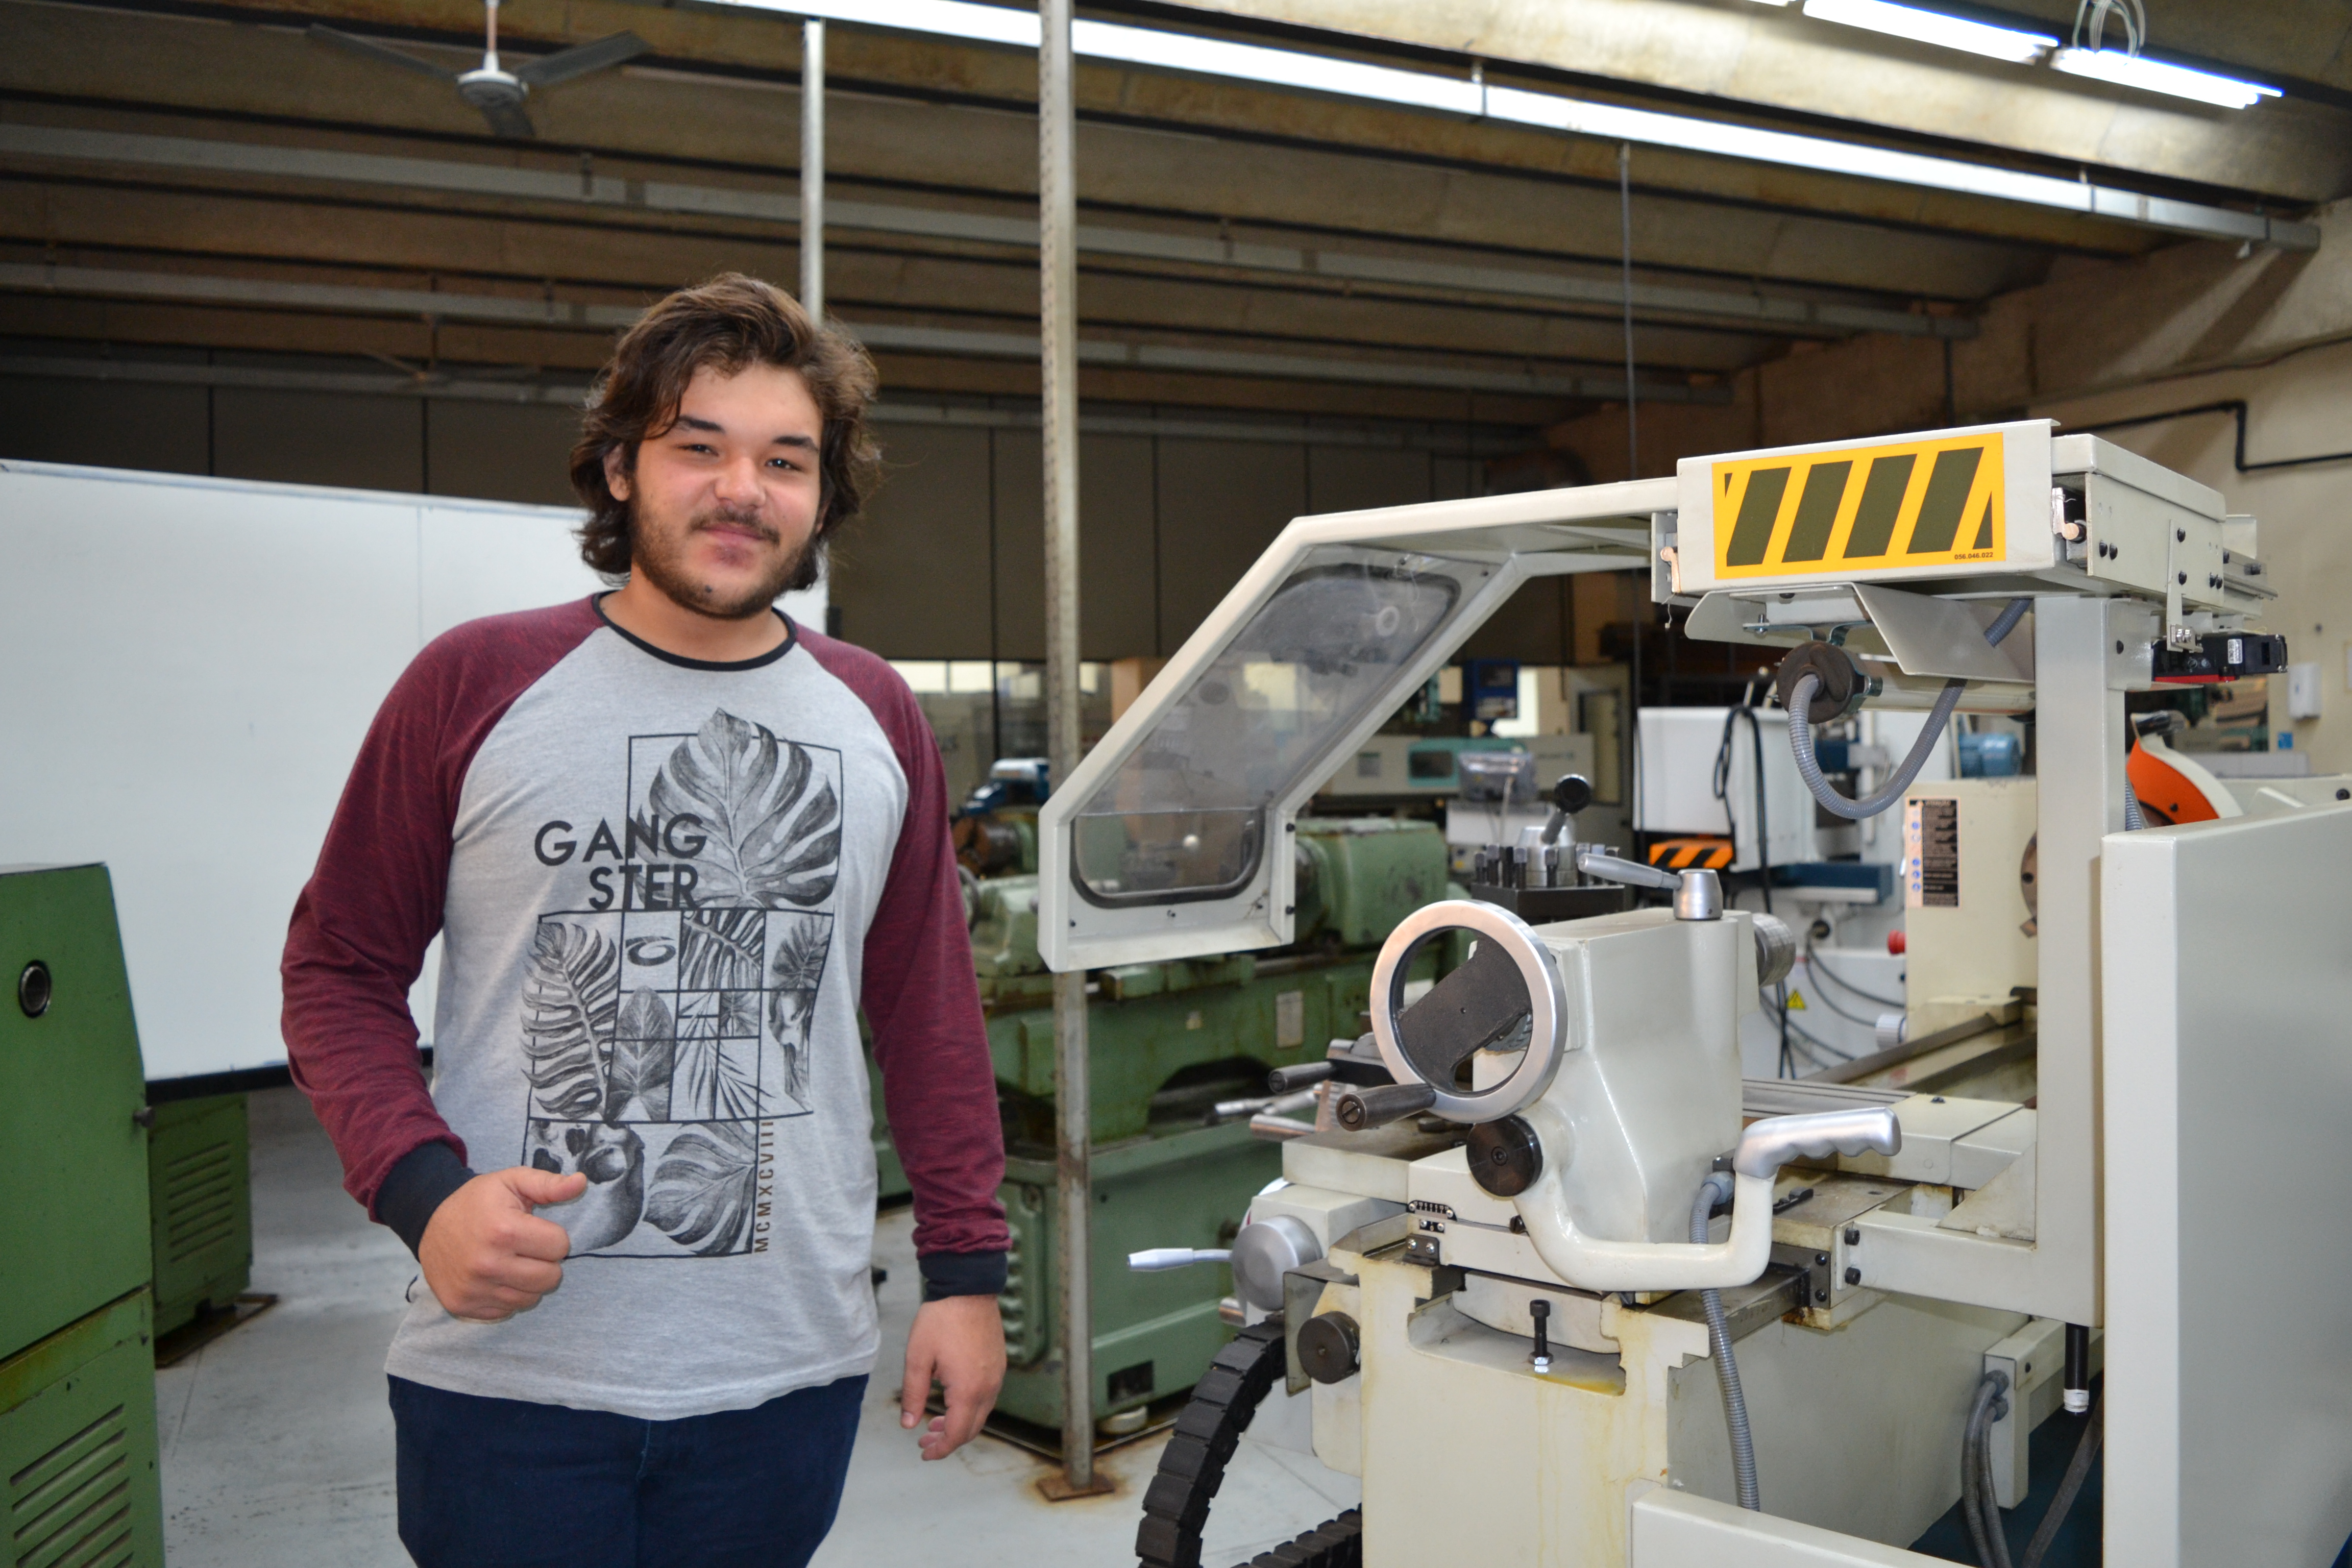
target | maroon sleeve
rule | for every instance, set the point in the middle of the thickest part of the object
(373, 904)
(921, 998)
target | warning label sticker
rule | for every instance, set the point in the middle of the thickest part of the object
(1911, 504)
(1931, 854)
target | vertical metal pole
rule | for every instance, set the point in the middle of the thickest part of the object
(1625, 234)
(1058, 323)
(2079, 765)
(813, 169)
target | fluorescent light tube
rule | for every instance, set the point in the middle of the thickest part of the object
(1932, 27)
(2154, 76)
(1294, 69)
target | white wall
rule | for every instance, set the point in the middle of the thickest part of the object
(186, 669)
(2297, 406)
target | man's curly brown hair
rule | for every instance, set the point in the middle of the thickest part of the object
(730, 323)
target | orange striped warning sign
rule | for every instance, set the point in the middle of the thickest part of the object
(1928, 502)
(1693, 854)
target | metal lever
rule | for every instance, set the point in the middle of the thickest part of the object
(1153, 1260)
(1698, 895)
(1771, 1143)
(1376, 1106)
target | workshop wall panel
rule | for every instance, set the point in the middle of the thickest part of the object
(1117, 567)
(1221, 503)
(104, 424)
(1355, 478)
(500, 452)
(911, 577)
(318, 438)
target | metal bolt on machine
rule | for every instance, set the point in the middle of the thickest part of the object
(1560, 1286)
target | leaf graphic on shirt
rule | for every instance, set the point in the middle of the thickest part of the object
(714, 1076)
(643, 1051)
(770, 819)
(793, 976)
(721, 947)
(569, 998)
(705, 1187)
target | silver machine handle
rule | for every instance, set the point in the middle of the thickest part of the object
(1771, 1143)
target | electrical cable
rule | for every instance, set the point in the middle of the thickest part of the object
(1716, 1189)
(1801, 1033)
(1979, 1507)
(1843, 983)
(1826, 1000)
(1801, 734)
(2078, 1470)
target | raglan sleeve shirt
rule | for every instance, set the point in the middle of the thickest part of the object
(363, 925)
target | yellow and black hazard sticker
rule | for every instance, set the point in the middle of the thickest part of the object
(1698, 853)
(1934, 502)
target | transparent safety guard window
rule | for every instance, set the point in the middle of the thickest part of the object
(1184, 817)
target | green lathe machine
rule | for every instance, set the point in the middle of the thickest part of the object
(1169, 1043)
(77, 1365)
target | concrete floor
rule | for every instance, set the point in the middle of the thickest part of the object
(277, 1444)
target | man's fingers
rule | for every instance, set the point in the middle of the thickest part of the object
(537, 1187)
(966, 1411)
(531, 1276)
(916, 1390)
(527, 1236)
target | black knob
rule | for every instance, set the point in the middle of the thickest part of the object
(1326, 1346)
(1505, 1157)
(33, 989)
(1853, 1276)
(1573, 794)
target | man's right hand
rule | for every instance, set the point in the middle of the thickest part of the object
(484, 1254)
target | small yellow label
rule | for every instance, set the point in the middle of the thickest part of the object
(1796, 1001)
(1912, 503)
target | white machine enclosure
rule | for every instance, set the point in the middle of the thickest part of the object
(2158, 1134)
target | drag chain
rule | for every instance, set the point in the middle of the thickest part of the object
(1193, 1466)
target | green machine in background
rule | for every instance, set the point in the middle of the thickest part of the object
(1168, 1043)
(200, 1195)
(76, 1366)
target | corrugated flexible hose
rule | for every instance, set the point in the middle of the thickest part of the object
(1801, 734)
(1715, 1189)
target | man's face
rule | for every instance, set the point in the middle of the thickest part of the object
(723, 505)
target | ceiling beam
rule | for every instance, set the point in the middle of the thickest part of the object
(1763, 310)
(441, 304)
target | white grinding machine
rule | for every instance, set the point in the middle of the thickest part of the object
(1559, 1284)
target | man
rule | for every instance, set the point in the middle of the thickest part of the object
(673, 843)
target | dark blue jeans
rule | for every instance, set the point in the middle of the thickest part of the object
(502, 1483)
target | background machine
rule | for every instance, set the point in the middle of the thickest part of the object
(1563, 1286)
(77, 1315)
(1180, 1048)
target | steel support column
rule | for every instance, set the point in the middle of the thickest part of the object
(1058, 329)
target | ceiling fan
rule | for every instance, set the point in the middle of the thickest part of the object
(496, 91)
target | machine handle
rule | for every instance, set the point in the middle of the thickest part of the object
(1632, 873)
(1376, 1106)
(1771, 1143)
(1153, 1259)
(1298, 1076)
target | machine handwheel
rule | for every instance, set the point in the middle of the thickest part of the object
(1193, 1466)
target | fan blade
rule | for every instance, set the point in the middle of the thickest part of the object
(509, 120)
(565, 64)
(383, 54)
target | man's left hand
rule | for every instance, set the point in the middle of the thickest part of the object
(960, 1341)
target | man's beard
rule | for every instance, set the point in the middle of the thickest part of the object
(660, 557)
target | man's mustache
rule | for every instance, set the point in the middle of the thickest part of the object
(751, 520)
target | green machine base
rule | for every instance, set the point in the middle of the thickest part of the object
(78, 1444)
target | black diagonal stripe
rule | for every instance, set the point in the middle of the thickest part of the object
(1984, 528)
(1948, 484)
(1757, 509)
(1817, 508)
(1882, 503)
